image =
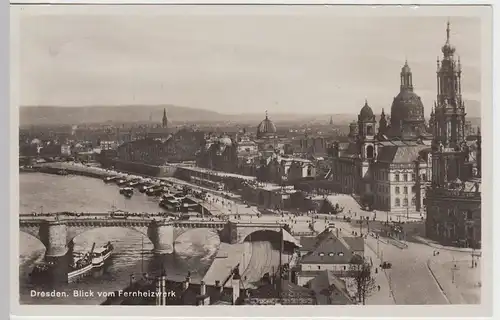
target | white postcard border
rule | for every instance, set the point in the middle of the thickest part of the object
(263, 311)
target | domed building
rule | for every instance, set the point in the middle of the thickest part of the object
(407, 110)
(266, 129)
(392, 170)
(218, 153)
(382, 170)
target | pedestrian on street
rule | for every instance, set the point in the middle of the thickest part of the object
(378, 287)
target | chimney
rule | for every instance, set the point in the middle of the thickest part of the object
(163, 287)
(203, 288)
(186, 283)
(236, 285)
(158, 291)
(217, 285)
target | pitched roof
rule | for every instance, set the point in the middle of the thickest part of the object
(331, 250)
(308, 243)
(355, 243)
(400, 154)
(326, 280)
(288, 288)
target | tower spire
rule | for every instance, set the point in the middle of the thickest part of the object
(406, 77)
(266, 115)
(164, 121)
(448, 31)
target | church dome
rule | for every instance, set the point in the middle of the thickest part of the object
(266, 128)
(366, 113)
(407, 106)
(226, 141)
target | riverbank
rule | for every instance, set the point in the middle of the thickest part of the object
(72, 168)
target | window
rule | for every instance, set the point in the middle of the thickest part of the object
(331, 254)
(369, 152)
(469, 214)
(398, 202)
(396, 177)
(413, 202)
(405, 202)
(321, 254)
(319, 267)
(413, 177)
(341, 254)
(405, 177)
(451, 212)
(405, 190)
(424, 177)
(397, 190)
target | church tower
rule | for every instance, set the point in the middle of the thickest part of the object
(449, 150)
(164, 121)
(382, 124)
(449, 117)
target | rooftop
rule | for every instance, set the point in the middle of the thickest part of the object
(331, 250)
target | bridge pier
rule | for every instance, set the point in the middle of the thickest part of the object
(162, 237)
(53, 235)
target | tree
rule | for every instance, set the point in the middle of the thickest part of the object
(365, 283)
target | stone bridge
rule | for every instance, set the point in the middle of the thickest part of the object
(57, 233)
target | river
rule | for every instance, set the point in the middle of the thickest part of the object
(194, 250)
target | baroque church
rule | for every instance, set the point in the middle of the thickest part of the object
(388, 163)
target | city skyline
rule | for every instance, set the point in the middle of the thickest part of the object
(295, 64)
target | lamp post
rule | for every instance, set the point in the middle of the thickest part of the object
(407, 208)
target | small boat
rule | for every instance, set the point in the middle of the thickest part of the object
(155, 191)
(126, 189)
(133, 183)
(121, 181)
(101, 255)
(94, 259)
(109, 179)
(62, 172)
(128, 194)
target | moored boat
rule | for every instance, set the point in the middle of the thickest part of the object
(126, 190)
(120, 181)
(109, 179)
(62, 172)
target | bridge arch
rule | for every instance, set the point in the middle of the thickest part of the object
(32, 234)
(75, 231)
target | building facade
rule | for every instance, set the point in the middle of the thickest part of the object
(386, 162)
(454, 197)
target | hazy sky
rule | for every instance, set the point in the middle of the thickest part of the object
(239, 63)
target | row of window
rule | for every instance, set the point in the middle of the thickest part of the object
(331, 254)
(397, 190)
(468, 214)
(397, 202)
(404, 177)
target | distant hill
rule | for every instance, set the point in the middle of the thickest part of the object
(45, 115)
(50, 115)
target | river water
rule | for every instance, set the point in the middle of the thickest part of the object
(194, 249)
